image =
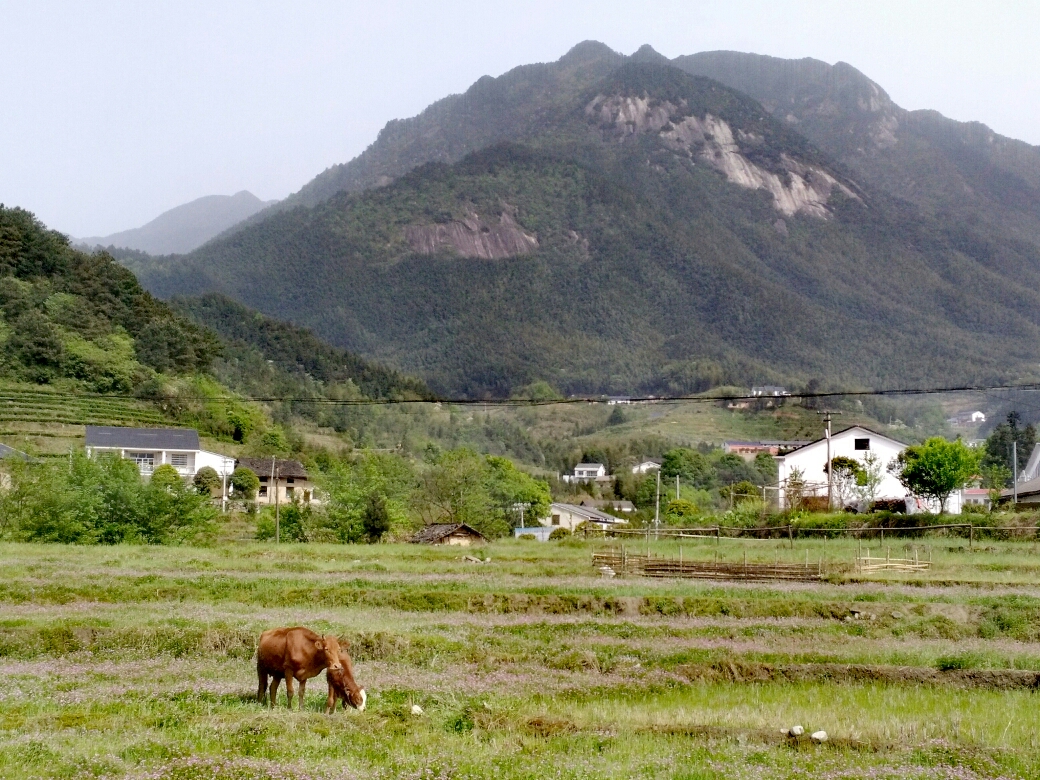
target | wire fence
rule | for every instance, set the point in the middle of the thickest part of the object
(792, 531)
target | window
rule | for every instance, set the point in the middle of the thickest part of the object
(179, 460)
(145, 461)
(862, 444)
(289, 480)
(306, 496)
(262, 491)
(556, 520)
(289, 493)
(262, 479)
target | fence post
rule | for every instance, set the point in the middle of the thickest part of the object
(790, 534)
(718, 537)
(971, 536)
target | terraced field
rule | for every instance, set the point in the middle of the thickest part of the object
(137, 662)
(47, 421)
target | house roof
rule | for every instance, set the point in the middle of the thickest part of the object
(839, 433)
(1032, 468)
(590, 466)
(590, 514)
(142, 438)
(606, 503)
(11, 452)
(284, 468)
(1028, 488)
(437, 531)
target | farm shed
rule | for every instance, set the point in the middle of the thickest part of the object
(456, 534)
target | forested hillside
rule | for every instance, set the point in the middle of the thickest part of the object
(654, 232)
(82, 317)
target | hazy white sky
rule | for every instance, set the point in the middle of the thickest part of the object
(112, 112)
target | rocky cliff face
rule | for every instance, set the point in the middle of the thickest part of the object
(708, 140)
(473, 237)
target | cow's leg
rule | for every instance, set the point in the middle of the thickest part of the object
(274, 692)
(288, 690)
(330, 702)
(303, 691)
(261, 689)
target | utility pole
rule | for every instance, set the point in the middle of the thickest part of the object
(274, 487)
(223, 484)
(830, 481)
(1014, 472)
(676, 487)
(657, 505)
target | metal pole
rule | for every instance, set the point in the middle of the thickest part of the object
(657, 507)
(676, 487)
(274, 486)
(830, 470)
(1014, 472)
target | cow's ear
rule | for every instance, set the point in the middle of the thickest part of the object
(344, 644)
(318, 645)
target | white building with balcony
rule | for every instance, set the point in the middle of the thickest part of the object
(588, 472)
(150, 448)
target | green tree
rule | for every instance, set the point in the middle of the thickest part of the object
(936, 468)
(481, 491)
(207, 480)
(352, 488)
(36, 344)
(868, 478)
(844, 473)
(690, 466)
(376, 517)
(998, 444)
(681, 512)
(171, 511)
(509, 486)
(995, 477)
(741, 492)
(244, 483)
(455, 490)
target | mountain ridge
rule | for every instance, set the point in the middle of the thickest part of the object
(186, 227)
(671, 253)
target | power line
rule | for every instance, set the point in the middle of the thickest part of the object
(518, 402)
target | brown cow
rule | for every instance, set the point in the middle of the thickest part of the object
(342, 686)
(293, 653)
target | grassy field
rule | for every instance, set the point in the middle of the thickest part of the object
(137, 662)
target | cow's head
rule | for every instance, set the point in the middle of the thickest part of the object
(342, 679)
(329, 645)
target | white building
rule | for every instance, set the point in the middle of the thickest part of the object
(150, 448)
(646, 466)
(570, 516)
(587, 472)
(856, 443)
(962, 419)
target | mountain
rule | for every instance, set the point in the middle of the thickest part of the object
(960, 171)
(186, 227)
(641, 229)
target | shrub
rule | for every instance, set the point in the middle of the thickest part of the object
(559, 533)
(528, 537)
(207, 480)
(293, 524)
(894, 505)
(244, 483)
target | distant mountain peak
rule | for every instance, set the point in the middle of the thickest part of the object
(647, 53)
(185, 227)
(589, 51)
